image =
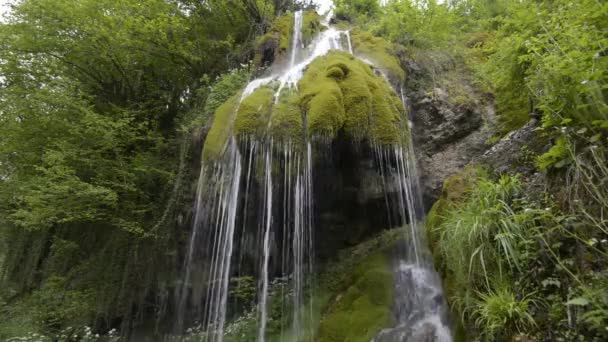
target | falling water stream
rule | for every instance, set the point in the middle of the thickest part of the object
(231, 200)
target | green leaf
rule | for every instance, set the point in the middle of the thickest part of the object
(578, 301)
(596, 138)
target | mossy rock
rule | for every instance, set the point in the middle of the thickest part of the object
(364, 307)
(379, 51)
(339, 92)
(221, 129)
(277, 39)
(286, 120)
(311, 25)
(254, 112)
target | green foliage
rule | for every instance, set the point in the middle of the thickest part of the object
(481, 233)
(558, 156)
(225, 86)
(411, 24)
(92, 158)
(358, 10)
(480, 237)
(70, 334)
(499, 313)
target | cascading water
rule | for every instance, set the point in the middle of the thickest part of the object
(257, 222)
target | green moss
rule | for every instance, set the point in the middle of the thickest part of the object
(279, 35)
(311, 25)
(322, 100)
(284, 27)
(254, 112)
(364, 307)
(340, 92)
(286, 121)
(337, 93)
(220, 129)
(379, 51)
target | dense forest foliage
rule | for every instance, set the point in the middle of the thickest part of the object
(102, 108)
(99, 102)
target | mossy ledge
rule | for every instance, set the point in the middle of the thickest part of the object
(311, 25)
(221, 129)
(338, 93)
(379, 51)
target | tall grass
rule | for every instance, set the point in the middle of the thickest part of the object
(478, 238)
(483, 240)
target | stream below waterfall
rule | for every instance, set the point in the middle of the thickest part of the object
(256, 220)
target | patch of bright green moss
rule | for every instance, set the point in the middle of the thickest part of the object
(364, 307)
(220, 129)
(339, 91)
(322, 100)
(379, 51)
(254, 112)
(311, 25)
(286, 122)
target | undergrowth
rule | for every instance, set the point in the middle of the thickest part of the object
(516, 265)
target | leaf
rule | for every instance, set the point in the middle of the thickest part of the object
(566, 121)
(595, 138)
(578, 301)
(551, 282)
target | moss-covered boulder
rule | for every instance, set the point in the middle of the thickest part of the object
(221, 129)
(379, 51)
(364, 293)
(337, 93)
(254, 113)
(340, 92)
(287, 121)
(311, 25)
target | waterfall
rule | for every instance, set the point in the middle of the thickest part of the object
(297, 37)
(266, 245)
(257, 222)
(420, 307)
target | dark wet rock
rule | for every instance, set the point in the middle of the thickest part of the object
(515, 152)
(446, 136)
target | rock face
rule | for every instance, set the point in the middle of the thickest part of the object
(447, 136)
(512, 153)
